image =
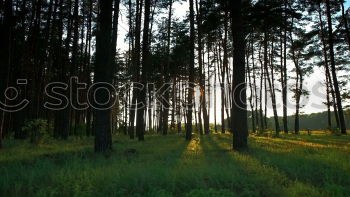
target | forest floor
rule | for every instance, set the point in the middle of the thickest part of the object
(162, 166)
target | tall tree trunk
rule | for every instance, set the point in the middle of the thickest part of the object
(140, 121)
(255, 92)
(88, 66)
(75, 64)
(189, 107)
(261, 112)
(5, 56)
(255, 86)
(136, 66)
(297, 106)
(262, 126)
(298, 84)
(215, 73)
(203, 103)
(239, 124)
(166, 73)
(333, 68)
(103, 73)
(271, 86)
(329, 83)
(61, 124)
(285, 82)
(223, 68)
(251, 92)
(221, 77)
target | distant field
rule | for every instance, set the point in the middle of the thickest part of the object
(292, 165)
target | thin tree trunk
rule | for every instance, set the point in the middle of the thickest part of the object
(261, 112)
(298, 85)
(255, 87)
(215, 73)
(222, 87)
(285, 82)
(251, 93)
(271, 86)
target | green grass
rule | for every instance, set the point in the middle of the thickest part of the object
(302, 165)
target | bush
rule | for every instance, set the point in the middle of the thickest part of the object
(37, 130)
(335, 131)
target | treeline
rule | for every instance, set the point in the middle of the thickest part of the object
(314, 121)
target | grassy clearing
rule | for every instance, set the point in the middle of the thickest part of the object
(317, 165)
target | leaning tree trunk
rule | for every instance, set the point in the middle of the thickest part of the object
(334, 74)
(329, 83)
(239, 124)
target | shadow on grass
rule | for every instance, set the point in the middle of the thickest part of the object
(312, 164)
(304, 164)
(50, 171)
(326, 140)
(253, 178)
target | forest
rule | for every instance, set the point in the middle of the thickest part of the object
(174, 98)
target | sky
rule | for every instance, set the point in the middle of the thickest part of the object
(314, 83)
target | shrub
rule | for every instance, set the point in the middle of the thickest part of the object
(37, 130)
(335, 131)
